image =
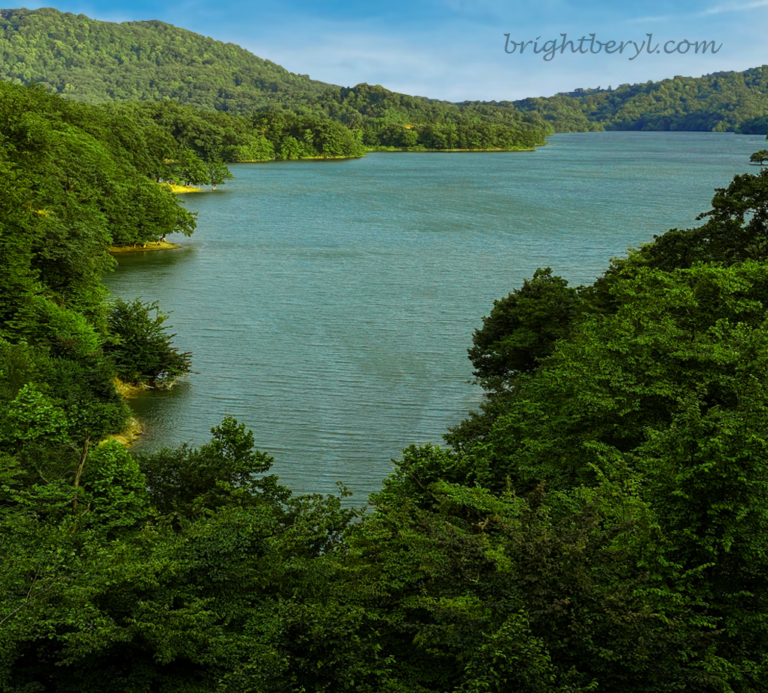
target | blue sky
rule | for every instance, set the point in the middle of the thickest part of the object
(454, 49)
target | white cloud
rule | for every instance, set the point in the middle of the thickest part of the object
(469, 67)
(712, 11)
(736, 7)
(650, 20)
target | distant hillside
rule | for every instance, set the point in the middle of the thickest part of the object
(96, 62)
(720, 102)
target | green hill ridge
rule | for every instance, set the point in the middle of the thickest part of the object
(720, 102)
(97, 62)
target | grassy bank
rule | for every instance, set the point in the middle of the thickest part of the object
(182, 188)
(141, 248)
(134, 428)
(129, 390)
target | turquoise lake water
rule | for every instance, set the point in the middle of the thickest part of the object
(329, 304)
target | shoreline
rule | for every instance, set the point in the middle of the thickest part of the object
(138, 248)
(134, 428)
(394, 150)
(301, 158)
(405, 150)
(129, 435)
(129, 390)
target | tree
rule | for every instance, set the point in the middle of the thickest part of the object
(188, 481)
(218, 173)
(140, 346)
(144, 566)
(759, 157)
(522, 329)
(190, 169)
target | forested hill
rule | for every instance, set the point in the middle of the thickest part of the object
(720, 102)
(97, 62)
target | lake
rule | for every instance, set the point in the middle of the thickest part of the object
(329, 304)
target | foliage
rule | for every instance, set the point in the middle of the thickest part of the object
(298, 137)
(139, 61)
(87, 176)
(140, 346)
(218, 173)
(77, 179)
(410, 124)
(100, 62)
(113, 585)
(522, 329)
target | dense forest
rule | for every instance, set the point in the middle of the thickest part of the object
(225, 104)
(116, 154)
(219, 136)
(96, 62)
(599, 525)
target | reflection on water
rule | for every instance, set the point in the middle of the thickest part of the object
(329, 305)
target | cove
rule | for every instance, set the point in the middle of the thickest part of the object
(329, 304)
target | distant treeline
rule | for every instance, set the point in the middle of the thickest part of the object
(221, 136)
(447, 136)
(248, 109)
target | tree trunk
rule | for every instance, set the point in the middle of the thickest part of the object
(79, 472)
